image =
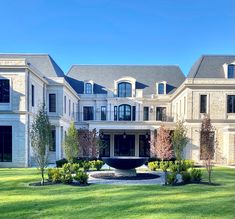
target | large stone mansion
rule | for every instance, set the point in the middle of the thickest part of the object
(125, 103)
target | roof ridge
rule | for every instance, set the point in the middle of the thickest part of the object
(26, 54)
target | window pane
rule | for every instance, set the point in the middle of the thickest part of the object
(105, 146)
(124, 89)
(115, 113)
(88, 88)
(53, 135)
(144, 146)
(65, 104)
(52, 103)
(88, 113)
(124, 146)
(231, 71)
(161, 113)
(231, 104)
(161, 88)
(5, 144)
(133, 113)
(32, 95)
(4, 91)
(124, 112)
(203, 104)
(103, 113)
(146, 113)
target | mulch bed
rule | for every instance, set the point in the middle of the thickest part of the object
(47, 183)
(111, 176)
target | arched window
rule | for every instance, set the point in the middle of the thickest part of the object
(88, 88)
(124, 112)
(124, 89)
(161, 88)
(231, 71)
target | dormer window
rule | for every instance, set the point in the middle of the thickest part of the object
(124, 89)
(88, 88)
(161, 88)
(231, 71)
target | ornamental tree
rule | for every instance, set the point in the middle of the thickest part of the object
(71, 143)
(207, 145)
(41, 139)
(179, 141)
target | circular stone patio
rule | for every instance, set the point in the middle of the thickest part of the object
(159, 180)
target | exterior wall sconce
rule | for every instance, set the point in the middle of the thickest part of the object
(151, 109)
(124, 135)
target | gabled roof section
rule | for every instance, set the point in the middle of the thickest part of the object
(43, 62)
(210, 66)
(104, 76)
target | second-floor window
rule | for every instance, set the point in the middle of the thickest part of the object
(69, 107)
(88, 88)
(231, 71)
(124, 89)
(115, 113)
(53, 145)
(146, 113)
(124, 112)
(32, 95)
(161, 114)
(161, 88)
(88, 113)
(203, 103)
(4, 91)
(231, 104)
(52, 103)
(103, 113)
(65, 104)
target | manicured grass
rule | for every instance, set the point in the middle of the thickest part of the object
(18, 200)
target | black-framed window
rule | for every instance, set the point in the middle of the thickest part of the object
(88, 88)
(161, 114)
(124, 112)
(4, 91)
(115, 113)
(53, 145)
(144, 146)
(203, 103)
(103, 112)
(73, 110)
(88, 113)
(161, 88)
(69, 107)
(231, 71)
(52, 102)
(65, 104)
(105, 146)
(5, 143)
(124, 146)
(231, 104)
(124, 89)
(146, 113)
(133, 113)
(32, 93)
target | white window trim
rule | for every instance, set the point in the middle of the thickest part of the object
(92, 86)
(162, 82)
(225, 67)
(127, 79)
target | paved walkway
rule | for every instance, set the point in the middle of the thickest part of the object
(156, 181)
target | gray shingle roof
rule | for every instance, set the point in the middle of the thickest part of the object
(104, 75)
(210, 66)
(42, 62)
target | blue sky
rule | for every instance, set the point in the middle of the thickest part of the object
(119, 31)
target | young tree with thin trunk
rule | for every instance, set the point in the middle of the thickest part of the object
(88, 143)
(179, 140)
(207, 147)
(71, 143)
(41, 139)
(161, 147)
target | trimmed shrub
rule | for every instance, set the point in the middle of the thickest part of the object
(164, 165)
(60, 163)
(50, 174)
(171, 177)
(173, 167)
(81, 177)
(86, 165)
(196, 175)
(153, 165)
(66, 178)
(54, 175)
(186, 176)
(97, 164)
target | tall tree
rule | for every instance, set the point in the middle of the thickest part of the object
(207, 145)
(161, 147)
(41, 139)
(88, 143)
(71, 143)
(179, 140)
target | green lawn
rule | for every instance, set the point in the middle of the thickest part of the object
(18, 200)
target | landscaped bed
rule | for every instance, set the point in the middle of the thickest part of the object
(18, 200)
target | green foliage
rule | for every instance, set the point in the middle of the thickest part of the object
(66, 178)
(186, 176)
(54, 175)
(164, 165)
(81, 177)
(41, 139)
(196, 175)
(86, 165)
(97, 164)
(71, 143)
(61, 162)
(171, 177)
(173, 167)
(179, 140)
(153, 165)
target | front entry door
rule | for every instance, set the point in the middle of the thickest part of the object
(124, 145)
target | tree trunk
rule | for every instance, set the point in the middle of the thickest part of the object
(165, 175)
(42, 174)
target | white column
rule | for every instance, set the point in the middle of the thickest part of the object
(111, 145)
(137, 145)
(58, 142)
